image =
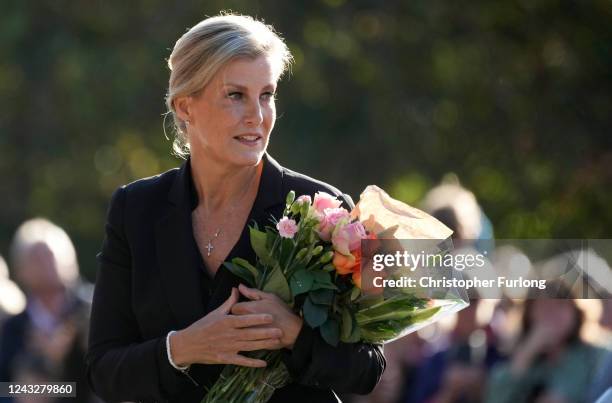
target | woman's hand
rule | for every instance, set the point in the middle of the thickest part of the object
(263, 302)
(219, 336)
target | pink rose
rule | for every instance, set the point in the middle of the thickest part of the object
(324, 200)
(331, 217)
(348, 237)
(303, 199)
(286, 227)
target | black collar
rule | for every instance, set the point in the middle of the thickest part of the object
(269, 194)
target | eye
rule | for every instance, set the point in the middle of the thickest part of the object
(268, 96)
(235, 95)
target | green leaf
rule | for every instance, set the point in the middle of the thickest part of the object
(301, 254)
(329, 332)
(295, 208)
(424, 314)
(290, 198)
(350, 330)
(326, 257)
(355, 293)
(287, 246)
(304, 210)
(397, 303)
(271, 236)
(301, 282)
(366, 301)
(312, 237)
(322, 296)
(277, 283)
(347, 324)
(319, 286)
(406, 317)
(322, 279)
(247, 265)
(241, 272)
(315, 315)
(258, 243)
(355, 334)
(329, 267)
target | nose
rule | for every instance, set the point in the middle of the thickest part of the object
(254, 114)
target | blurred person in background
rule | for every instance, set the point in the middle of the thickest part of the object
(47, 341)
(457, 373)
(12, 300)
(550, 362)
(603, 378)
(458, 209)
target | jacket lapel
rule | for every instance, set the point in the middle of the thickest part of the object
(269, 195)
(178, 255)
(177, 251)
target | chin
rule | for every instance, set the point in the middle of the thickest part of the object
(248, 158)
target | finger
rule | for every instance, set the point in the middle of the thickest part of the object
(250, 334)
(227, 305)
(254, 319)
(268, 344)
(238, 359)
(252, 293)
(243, 308)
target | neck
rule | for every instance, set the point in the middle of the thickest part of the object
(220, 185)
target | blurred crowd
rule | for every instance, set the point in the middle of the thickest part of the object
(501, 348)
(44, 311)
(497, 350)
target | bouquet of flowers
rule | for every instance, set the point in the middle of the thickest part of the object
(312, 259)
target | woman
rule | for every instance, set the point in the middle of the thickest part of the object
(166, 314)
(550, 363)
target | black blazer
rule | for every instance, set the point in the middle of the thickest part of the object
(151, 279)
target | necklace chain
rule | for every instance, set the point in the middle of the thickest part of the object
(209, 246)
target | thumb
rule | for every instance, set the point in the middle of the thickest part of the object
(226, 307)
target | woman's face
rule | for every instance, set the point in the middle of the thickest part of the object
(39, 271)
(232, 117)
(557, 313)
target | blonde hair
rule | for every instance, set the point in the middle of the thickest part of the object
(205, 48)
(463, 203)
(42, 231)
(12, 299)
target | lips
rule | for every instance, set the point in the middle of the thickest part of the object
(248, 139)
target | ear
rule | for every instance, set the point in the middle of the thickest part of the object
(182, 106)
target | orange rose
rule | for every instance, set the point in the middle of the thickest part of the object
(343, 263)
(349, 264)
(357, 255)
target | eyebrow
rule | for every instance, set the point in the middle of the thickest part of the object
(243, 88)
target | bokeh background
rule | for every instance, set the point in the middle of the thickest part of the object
(514, 97)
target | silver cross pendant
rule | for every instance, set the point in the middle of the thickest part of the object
(209, 248)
